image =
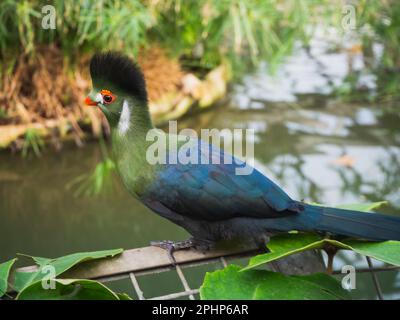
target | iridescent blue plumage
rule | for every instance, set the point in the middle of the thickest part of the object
(213, 202)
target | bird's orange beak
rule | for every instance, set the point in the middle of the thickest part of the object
(90, 102)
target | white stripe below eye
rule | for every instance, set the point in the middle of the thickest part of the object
(99, 98)
(124, 120)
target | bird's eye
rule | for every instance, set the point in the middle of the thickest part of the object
(108, 97)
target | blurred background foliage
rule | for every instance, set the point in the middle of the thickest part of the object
(44, 71)
(208, 32)
(202, 33)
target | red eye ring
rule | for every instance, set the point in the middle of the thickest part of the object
(108, 96)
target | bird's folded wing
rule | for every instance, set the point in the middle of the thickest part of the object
(215, 192)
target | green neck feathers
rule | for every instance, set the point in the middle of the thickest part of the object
(129, 144)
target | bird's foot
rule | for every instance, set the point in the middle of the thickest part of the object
(171, 246)
(261, 242)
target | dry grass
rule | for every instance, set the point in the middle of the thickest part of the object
(42, 88)
(162, 73)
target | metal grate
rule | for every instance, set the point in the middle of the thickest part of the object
(187, 292)
(179, 269)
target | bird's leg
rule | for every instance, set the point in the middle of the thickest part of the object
(261, 242)
(171, 246)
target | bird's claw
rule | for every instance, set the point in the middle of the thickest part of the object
(167, 245)
(171, 246)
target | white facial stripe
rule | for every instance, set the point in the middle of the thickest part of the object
(99, 98)
(124, 120)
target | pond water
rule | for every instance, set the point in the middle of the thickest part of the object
(316, 148)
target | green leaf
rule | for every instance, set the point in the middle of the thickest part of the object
(69, 289)
(123, 296)
(61, 264)
(231, 284)
(329, 283)
(386, 251)
(287, 244)
(284, 245)
(5, 268)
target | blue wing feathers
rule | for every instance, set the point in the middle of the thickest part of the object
(216, 189)
(213, 192)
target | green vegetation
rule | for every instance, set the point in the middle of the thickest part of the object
(94, 183)
(378, 22)
(43, 73)
(5, 268)
(288, 244)
(248, 283)
(99, 180)
(80, 25)
(232, 284)
(240, 32)
(32, 142)
(28, 285)
(71, 289)
(206, 31)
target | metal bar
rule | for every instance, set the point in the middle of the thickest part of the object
(184, 281)
(176, 295)
(375, 279)
(136, 286)
(204, 262)
(146, 259)
(375, 269)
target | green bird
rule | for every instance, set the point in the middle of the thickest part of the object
(206, 197)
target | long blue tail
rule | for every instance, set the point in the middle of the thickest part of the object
(356, 224)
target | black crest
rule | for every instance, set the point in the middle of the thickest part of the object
(119, 70)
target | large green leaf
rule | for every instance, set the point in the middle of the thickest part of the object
(329, 283)
(5, 268)
(286, 244)
(386, 251)
(61, 264)
(69, 289)
(231, 284)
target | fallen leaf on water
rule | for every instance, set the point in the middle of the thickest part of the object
(345, 161)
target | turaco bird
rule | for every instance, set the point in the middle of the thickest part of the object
(210, 201)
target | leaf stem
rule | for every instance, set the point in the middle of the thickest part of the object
(331, 252)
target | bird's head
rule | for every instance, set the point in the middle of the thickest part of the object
(117, 81)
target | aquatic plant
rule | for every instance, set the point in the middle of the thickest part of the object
(32, 142)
